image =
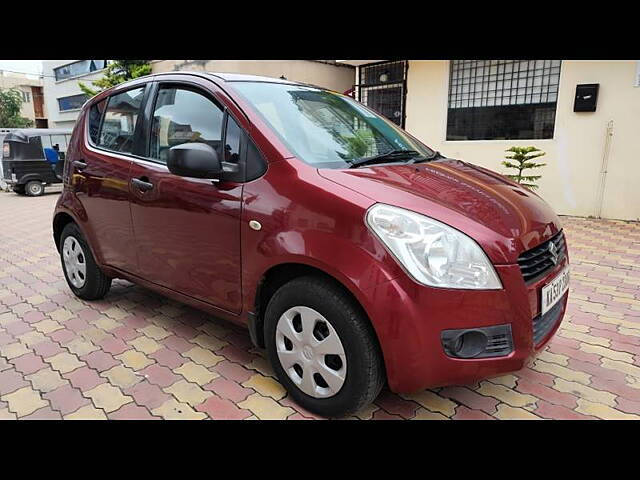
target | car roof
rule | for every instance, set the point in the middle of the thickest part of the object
(237, 77)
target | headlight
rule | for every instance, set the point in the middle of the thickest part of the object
(431, 252)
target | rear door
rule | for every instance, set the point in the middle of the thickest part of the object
(187, 230)
(100, 169)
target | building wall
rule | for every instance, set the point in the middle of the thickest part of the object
(23, 83)
(336, 77)
(55, 89)
(571, 179)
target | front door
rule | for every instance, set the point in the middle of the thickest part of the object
(187, 230)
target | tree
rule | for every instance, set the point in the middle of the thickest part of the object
(118, 71)
(522, 160)
(10, 104)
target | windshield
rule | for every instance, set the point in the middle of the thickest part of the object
(325, 129)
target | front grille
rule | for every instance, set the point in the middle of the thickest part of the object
(543, 324)
(536, 262)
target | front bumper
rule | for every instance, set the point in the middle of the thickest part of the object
(409, 319)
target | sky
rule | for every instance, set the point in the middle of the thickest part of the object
(22, 66)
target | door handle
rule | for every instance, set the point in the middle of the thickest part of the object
(79, 164)
(142, 184)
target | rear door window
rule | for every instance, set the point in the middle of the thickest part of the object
(120, 120)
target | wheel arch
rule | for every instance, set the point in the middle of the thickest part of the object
(278, 275)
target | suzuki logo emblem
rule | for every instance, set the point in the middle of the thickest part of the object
(553, 251)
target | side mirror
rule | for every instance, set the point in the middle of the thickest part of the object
(197, 160)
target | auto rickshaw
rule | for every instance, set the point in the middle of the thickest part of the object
(33, 158)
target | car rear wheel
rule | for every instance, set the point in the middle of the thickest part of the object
(83, 275)
(34, 188)
(322, 347)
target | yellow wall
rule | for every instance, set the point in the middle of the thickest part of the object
(574, 156)
(336, 77)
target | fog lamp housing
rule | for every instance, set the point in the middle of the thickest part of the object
(480, 342)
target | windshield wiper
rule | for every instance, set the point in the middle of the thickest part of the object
(383, 156)
(433, 156)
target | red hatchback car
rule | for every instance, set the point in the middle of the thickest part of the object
(355, 254)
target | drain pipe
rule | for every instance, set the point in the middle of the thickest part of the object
(603, 169)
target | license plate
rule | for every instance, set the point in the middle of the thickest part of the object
(554, 290)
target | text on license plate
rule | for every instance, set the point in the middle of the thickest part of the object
(554, 290)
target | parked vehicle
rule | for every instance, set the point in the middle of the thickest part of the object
(355, 254)
(25, 164)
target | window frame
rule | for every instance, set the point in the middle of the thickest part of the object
(237, 177)
(139, 122)
(142, 135)
(447, 103)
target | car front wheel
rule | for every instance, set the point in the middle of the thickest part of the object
(322, 347)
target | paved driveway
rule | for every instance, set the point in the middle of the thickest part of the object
(136, 354)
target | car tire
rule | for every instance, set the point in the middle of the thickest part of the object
(324, 309)
(81, 271)
(34, 188)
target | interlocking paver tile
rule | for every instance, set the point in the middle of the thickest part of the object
(45, 413)
(222, 409)
(79, 346)
(13, 350)
(132, 412)
(64, 362)
(122, 376)
(148, 394)
(265, 408)
(88, 412)
(203, 357)
(46, 380)
(84, 378)
(266, 386)
(174, 410)
(209, 342)
(28, 363)
(187, 392)
(32, 338)
(107, 397)
(196, 373)
(100, 360)
(603, 411)
(145, 344)
(233, 371)
(155, 332)
(228, 389)
(10, 380)
(177, 344)
(159, 375)
(114, 346)
(432, 401)
(507, 412)
(66, 399)
(24, 401)
(168, 358)
(134, 359)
